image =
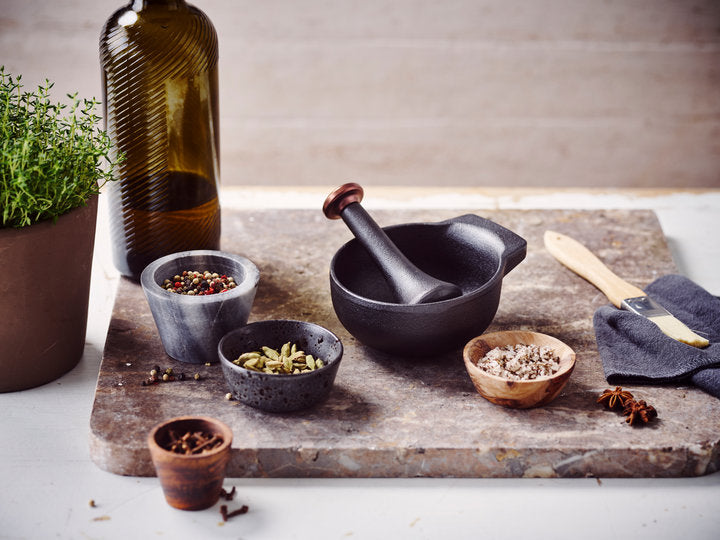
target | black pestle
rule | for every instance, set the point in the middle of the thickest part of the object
(409, 284)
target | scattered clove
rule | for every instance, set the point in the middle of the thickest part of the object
(227, 515)
(227, 495)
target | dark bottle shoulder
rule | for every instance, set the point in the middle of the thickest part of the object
(130, 22)
(129, 32)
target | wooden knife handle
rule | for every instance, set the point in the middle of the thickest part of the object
(584, 263)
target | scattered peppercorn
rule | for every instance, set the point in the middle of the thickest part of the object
(152, 380)
(194, 283)
(168, 375)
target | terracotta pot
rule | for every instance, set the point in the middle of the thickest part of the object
(44, 304)
(190, 482)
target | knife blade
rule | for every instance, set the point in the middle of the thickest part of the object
(622, 294)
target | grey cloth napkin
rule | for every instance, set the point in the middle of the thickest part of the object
(634, 350)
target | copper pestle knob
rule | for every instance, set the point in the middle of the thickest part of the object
(409, 284)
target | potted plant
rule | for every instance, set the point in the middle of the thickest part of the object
(53, 162)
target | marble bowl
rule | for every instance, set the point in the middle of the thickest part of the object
(511, 393)
(190, 327)
(273, 392)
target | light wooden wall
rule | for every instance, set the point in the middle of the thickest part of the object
(444, 92)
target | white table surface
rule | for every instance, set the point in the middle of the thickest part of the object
(48, 478)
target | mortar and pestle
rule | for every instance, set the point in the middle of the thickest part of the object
(417, 289)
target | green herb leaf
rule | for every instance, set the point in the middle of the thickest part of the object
(52, 158)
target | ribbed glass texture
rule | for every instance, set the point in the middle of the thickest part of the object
(160, 98)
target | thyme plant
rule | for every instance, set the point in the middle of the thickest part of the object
(52, 156)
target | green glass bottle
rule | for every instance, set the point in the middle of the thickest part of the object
(159, 62)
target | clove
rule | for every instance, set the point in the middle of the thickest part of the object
(227, 495)
(192, 443)
(227, 515)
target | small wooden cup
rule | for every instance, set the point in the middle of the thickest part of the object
(195, 481)
(511, 393)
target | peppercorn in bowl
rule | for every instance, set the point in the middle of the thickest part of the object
(280, 365)
(196, 297)
(518, 369)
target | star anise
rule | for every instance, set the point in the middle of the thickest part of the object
(617, 398)
(639, 411)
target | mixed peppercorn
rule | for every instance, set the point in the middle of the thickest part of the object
(194, 283)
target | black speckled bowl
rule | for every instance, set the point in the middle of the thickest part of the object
(280, 393)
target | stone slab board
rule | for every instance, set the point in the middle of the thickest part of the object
(394, 417)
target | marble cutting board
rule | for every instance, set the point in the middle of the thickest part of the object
(395, 417)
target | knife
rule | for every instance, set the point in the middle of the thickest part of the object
(622, 294)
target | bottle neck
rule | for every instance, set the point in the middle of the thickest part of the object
(138, 5)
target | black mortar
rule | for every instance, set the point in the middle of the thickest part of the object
(468, 251)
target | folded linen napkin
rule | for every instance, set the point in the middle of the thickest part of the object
(634, 350)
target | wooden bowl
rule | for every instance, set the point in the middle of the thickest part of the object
(511, 393)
